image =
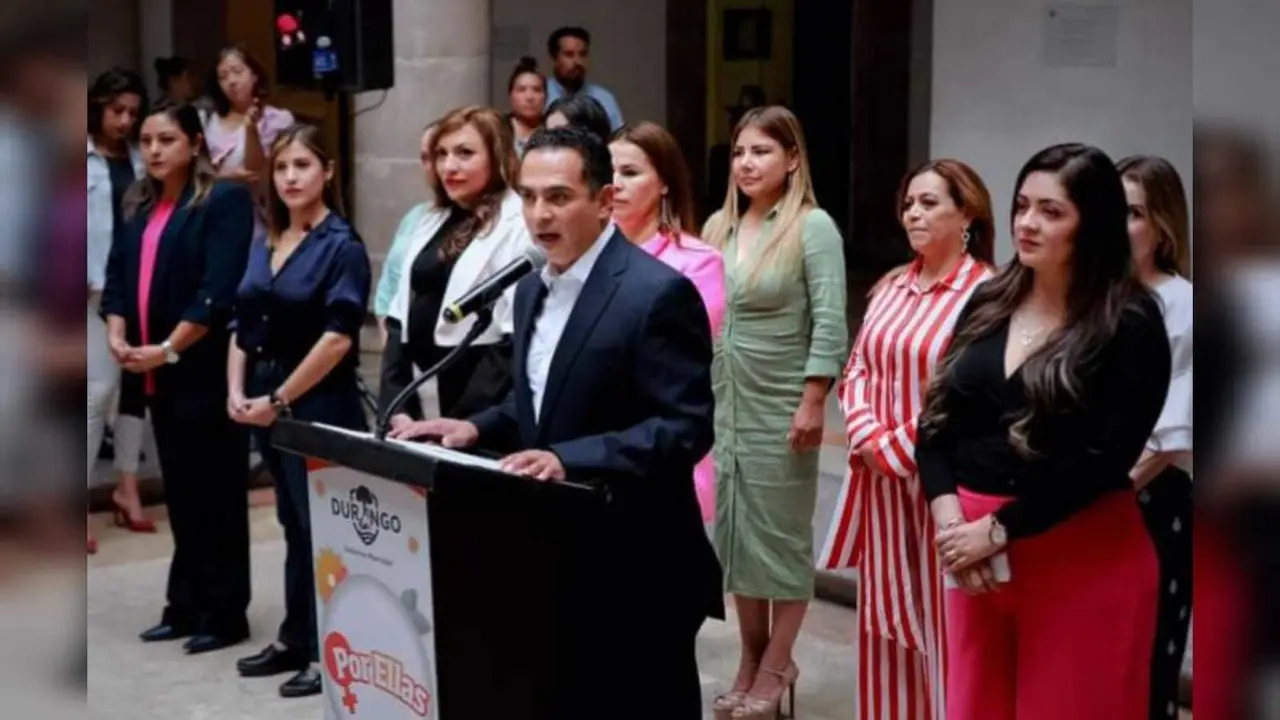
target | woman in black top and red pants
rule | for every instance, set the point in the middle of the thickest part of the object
(1054, 381)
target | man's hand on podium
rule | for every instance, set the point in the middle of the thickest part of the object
(452, 433)
(537, 464)
(398, 421)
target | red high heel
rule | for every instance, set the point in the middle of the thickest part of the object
(138, 525)
(92, 546)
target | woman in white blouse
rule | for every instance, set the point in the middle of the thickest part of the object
(1158, 234)
(474, 227)
(117, 101)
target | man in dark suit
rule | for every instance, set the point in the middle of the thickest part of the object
(611, 375)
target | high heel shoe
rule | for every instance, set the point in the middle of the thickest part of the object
(757, 708)
(724, 705)
(124, 520)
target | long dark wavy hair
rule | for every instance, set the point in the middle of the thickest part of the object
(106, 88)
(1102, 288)
(143, 194)
(311, 138)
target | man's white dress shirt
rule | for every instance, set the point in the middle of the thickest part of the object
(563, 290)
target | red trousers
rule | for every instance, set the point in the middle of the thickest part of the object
(1070, 636)
(1224, 614)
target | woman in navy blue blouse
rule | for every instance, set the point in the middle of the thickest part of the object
(299, 310)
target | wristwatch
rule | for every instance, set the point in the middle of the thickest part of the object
(997, 534)
(278, 403)
(170, 355)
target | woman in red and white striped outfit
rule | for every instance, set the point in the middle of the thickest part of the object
(882, 524)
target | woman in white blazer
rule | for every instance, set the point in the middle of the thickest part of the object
(475, 227)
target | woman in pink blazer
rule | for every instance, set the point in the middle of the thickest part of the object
(653, 207)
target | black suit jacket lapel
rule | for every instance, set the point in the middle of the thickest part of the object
(529, 295)
(596, 293)
(130, 238)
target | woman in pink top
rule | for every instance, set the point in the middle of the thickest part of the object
(653, 207)
(171, 278)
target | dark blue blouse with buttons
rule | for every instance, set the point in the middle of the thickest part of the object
(322, 287)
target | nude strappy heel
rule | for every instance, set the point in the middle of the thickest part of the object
(724, 705)
(754, 708)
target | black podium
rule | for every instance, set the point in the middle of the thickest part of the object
(493, 577)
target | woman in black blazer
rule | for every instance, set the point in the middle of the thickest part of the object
(170, 284)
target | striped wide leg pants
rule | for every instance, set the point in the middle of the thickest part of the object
(901, 637)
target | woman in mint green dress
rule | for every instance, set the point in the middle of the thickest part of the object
(783, 344)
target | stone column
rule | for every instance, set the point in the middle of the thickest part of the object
(442, 62)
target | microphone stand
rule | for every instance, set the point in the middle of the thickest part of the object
(484, 318)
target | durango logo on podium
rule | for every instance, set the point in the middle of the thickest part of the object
(374, 614)
(347, 667)
(367, 518)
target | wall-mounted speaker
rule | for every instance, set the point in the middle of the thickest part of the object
(335, 45)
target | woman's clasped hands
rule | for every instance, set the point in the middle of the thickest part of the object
(966, 549)
(136, 359)
(250, 411)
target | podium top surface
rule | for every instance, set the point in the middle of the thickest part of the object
(403, 461)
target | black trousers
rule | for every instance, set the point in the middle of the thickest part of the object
(298, 629)
(619, 653)
(629, 670)
(336, 403)
(204, 458)
(1166, 506)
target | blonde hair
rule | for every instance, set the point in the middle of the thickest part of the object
(1167, 208)
(785, 246)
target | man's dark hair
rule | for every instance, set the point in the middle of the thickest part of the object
(168, 68)
(553, 42)
(597, 166)
(583, 111)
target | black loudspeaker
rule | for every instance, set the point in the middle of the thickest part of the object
(335, 45)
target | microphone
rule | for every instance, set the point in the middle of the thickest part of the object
(491, 288)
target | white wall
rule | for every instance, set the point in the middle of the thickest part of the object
(628, 47)
(1237, 59)
(995, 101)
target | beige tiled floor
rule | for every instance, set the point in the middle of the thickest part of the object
(130, 565)
(128, 576)
(126, 581)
